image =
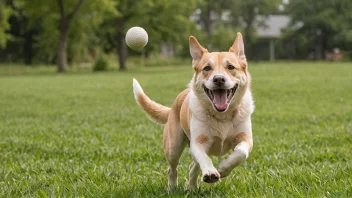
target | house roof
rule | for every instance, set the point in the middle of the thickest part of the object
(273, 25)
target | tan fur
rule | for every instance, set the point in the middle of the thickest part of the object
(156, 111)
(241, 137)
(185, 116)
(202, 139)
(171, 131)
(193, 119)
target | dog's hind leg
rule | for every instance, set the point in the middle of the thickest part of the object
(174, 144)
(193, 176)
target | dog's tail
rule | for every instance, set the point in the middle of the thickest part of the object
(156, 112)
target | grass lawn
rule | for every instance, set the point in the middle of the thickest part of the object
(83, 135)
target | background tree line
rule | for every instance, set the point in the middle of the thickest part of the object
(62, 31)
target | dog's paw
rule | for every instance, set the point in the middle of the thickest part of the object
(191, 187)
(223, 169)
(211, 176)
(224, 173)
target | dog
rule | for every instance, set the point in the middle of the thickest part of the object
(212, 116)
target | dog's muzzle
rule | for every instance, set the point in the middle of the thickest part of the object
(220, 97)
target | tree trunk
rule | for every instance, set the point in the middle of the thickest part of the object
(324, 45)
(318, 47)
(248, 31)
(64, 22)
(248, 42)
(61, 51)
(208, 24)
(28, 51)
(121, 45)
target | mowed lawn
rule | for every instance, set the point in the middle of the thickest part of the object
(83, 135)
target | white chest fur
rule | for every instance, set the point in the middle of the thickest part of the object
(219, 128)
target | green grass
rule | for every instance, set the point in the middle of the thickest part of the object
(83, 135)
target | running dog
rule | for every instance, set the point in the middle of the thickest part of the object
(212, 116)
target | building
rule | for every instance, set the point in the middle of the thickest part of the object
(271, 30)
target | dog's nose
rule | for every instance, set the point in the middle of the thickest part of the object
(219, 80)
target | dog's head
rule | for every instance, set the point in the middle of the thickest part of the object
(220, 78)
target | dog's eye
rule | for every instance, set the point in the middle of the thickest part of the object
(207, 68)
(230, 67)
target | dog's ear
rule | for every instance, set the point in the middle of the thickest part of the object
(196, 49)
(238, 46)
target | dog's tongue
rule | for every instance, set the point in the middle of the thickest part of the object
(220, 99)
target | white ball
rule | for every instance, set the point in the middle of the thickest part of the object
(136, 38)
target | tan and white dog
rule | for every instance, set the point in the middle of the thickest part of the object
(213, 115)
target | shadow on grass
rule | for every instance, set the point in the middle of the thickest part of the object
(147, 190)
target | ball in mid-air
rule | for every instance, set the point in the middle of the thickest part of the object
(136, 38)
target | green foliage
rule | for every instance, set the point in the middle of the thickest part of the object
(85, 136)
(223, 37)
(324, 24)
(251, 14)
(101, 64)
(227, 17)
(103, 23)
(82, 29)
(5, 13)
(165, 21)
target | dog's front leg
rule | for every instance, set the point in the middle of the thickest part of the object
(239, 155)
(244, 143)
(209, 172)
(200, 144)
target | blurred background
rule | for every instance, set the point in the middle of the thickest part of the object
(71, 34)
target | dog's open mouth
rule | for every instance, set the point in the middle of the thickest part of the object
(220, 97)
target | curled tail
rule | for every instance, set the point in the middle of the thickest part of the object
(156, 112)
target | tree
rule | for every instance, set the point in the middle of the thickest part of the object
(322, 28)
(155, 17)
(226, 17)
(69, 25)
(5, 13)
(251, 14)
(127, 9)
(64, 22)
(210, 15)
(21, 31)
(207, 16)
